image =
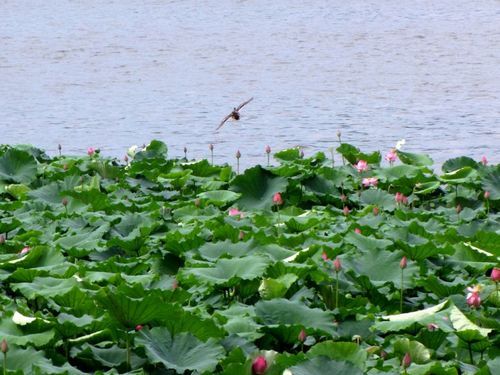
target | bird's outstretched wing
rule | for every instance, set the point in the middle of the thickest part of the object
(244, 103)
(224, 121)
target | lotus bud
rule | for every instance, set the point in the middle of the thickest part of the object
(403, 263)
(339, 134)
(211, 147)
(458, 208)
(324, 256)
(383, 355)
(65, 201)
(125, 158)
(197, 202)
(59, 147)
(337, 265)
(175, 284)
(259, 365)
(302, 335)
(432, 327)
(238, 154)
(2, 239)
(277, 200)
(4, 347)
(376, 210)
(90, 151)
(486, 195)
(241, 235)
(406, 360)
(65, 167)
(268, 149)
(138, 327)
(495, 274)
(25, 250)
(357, 230)
(484, 160)
(346, 210)
(343, 198)
(301, 154)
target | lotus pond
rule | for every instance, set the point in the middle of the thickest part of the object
(170, 266)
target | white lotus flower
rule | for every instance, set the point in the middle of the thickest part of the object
(400, 144)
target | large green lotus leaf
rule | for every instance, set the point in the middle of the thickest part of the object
(75, 300)
(112, 356)
(281, 311)
(133, 224)
(460, 176)
(379, 198)
(17, 166)
(353, 154)
(214, 250)
(155, 150)
(491, 183)
(87, 239)
(415, 159)
(219, 197)
(45, 287)
(458, 163)
(28, 360)
(288, 154)
(366, 243)
(426, 187)
(418, 352)
(50, 193)
(488, 242)
(18, 191)
(399, 173)
(276, 288)
(92, 197)
(15, 335)
(202, 168)
(181, 352)
(38, 257)
(239, 319)
(382, 267)
(228, 270)
(323, 365)
(461, 323)
(257, 187)
(346, 351)
(126, 308)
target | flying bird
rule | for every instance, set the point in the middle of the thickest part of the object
(235, 114)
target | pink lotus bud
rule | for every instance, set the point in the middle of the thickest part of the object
(486, 195)
(406, 360)
(391, 156)
(473, 298)
(357, 231)
(175, 284)
(403, 263)
(138, 327)
(495, 274)
(65, 202)
(346, 210)
(458, 208)
(2, 239)
(268, 149)
(211, 147)
(343, 198)
(197, 202)
(361, 166)
(259, 365)
(241, 235)
(302, 335)
(338, 133)
(238, 154)
(401, 198)
(432, 327)
(235, 212)
(4, 347)
(185, 149)
(383, 354)
(90, 151)
(376, 210)
(337, 265)
(324, 256)
(59, 147)
(484, 161)
(277, 200)
(25, 250)
(125, 158)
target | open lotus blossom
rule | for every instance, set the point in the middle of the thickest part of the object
(473, 298)
(401, 198)
(495, 274)
(90, 151)
(484, 160)
(337, 265)
(277, 200)
(391, 156)
(235, 212)
(25, 250)
(361, 166)
(370, 181)
(259, 365)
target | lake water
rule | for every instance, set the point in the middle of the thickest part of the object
(110, 74)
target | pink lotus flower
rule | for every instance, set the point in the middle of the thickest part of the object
(361, 166)
(473, 298)
(391, 156)
(25, 250)
(484, 161)
(337, 265)
(401, 198)
(403, 263)
(486, 195)
(406, 360)
(277, 200)
(495, 274)
(90, 151)
(357, 230)
(259, 365)
(302, 335)
(235, 212)
(138, 327)
(324, 256)
(346, 210)
(370, 181)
